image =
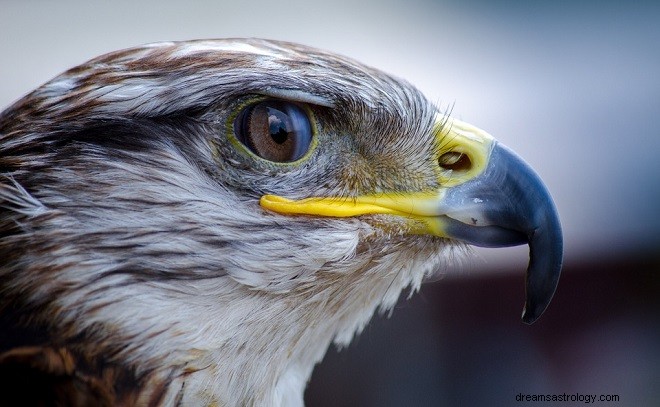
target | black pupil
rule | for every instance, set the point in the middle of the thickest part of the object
(277, 125)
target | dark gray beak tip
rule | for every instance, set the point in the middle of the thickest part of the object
(545, 262)
(539, 294)
(537, 301)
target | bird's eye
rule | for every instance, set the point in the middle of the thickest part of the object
(274, 130)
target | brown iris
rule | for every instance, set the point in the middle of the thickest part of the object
(274, 130)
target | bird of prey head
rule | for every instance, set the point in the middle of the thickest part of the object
(195, 222)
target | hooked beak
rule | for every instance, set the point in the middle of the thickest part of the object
(488, 197)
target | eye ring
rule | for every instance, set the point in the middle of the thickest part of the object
(275, 130)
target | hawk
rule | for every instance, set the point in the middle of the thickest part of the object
(194, 223)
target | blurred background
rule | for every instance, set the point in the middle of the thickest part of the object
(573, 87)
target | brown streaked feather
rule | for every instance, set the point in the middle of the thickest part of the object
(45, 376)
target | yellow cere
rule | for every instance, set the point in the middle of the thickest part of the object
(457, 136)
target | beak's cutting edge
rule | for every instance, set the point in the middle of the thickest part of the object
(488, 197)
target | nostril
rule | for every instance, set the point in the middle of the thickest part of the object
(453, 160)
